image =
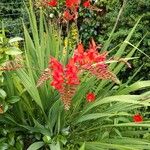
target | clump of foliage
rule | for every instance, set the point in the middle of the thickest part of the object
(101, 115)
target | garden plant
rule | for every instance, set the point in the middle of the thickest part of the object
(59, 93)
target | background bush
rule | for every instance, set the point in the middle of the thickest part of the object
(39, 110)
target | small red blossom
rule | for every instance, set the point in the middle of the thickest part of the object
(79, 54)
(87, 4)
(91, 55)
(90, 97)
(137, 118)
(57, 73)
(80, 48)
(79, 59)
(72, 3)
(68, 16)
(52, 3)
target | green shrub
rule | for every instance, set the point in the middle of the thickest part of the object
(38, 111)
(100, 26)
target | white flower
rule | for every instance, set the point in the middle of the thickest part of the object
(51, 15)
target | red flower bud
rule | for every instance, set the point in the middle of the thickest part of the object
(137, 118)
(90, 97)
(72, 3)
(68, 16)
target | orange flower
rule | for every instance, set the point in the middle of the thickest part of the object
(80, 48)
(90, 97)
(72, 73)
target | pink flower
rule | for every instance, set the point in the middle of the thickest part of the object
(80, 48)
(57, 73)
(72, 74)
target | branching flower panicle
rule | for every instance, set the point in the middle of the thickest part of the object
(14, 64)
(65, 79)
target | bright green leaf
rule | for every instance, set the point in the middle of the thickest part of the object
(13, 51)
(35, 146)
(2, 94)
(13, 99)
(82, 147)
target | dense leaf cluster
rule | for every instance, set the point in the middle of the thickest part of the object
(11, 12)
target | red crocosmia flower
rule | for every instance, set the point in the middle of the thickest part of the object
(54, 64)
(87, 4)
(71, 74)
(137, 118)
(57, 81)
(101, 57)
(58, 76)
(52, 3)
(68, 16)
(71, 61)
(79, 54)
(80, 48)
(72, 3)
(91, 55)
(73, 80)
(90, 97)
(65, 79)
(57, 73)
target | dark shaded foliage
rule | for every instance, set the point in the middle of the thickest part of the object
(11, 13)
